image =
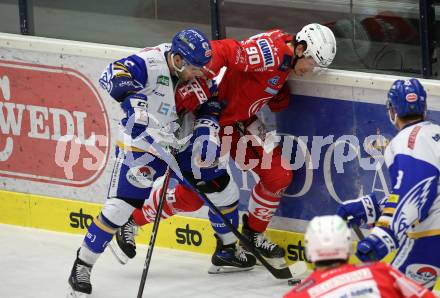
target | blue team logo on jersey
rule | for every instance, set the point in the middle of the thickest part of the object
(104, 80)
(164, 108)
(267, 52)
(274, 81)
(436, 137)
(411, 206)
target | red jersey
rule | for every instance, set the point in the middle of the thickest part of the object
(257, 68)
(368, 280)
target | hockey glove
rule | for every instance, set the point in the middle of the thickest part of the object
(211, 109)
(190, 95)
(205, 139)
(364, 210)
(377, 245)
(136, 111)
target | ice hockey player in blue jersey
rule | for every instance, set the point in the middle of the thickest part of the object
(144, 84)
(408, 219)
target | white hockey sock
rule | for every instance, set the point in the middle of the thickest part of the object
(88, 256)
(227, 238)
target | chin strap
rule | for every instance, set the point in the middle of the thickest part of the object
(295, 60)
(178, 71)
(393, 121)
(296, 57)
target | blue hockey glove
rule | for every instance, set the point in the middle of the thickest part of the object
(364, 210)
(210, 108)
(136, 110)
(377, 245)
(205, 144)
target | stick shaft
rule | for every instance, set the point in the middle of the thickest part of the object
(282, 273)
(154, 233)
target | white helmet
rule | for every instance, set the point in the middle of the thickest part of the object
(328, 238)
(321, 43)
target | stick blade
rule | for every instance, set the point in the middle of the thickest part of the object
(280, 273)
(299, 269)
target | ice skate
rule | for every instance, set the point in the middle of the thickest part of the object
(269, 250)
(124, 246)
(230, 258)
(79, 279)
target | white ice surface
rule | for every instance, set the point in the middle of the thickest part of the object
(37, 263)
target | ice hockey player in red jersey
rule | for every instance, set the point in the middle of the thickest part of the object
(250, 74)
(256, 73)
(328, 247)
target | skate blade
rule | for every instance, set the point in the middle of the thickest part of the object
(275, 262)
(227, 269)
(118, 253)
(74, 294)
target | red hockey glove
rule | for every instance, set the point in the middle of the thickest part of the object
(191, 94)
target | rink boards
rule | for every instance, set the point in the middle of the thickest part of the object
(73, 216)
(57, 128)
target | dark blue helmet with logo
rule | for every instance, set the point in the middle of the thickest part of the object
(407, 97)
(193, 46)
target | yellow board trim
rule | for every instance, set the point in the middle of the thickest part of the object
(177, 232)
(71, 216)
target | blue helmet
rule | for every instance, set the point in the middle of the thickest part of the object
(407, 97)
(193, 46)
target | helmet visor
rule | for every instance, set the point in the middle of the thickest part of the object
(194, 70)
(187, 68)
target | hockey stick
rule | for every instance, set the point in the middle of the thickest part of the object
(168, 157)
(360, 235)
(154, 232)
(279, 273)
(358, 232)
(355, 228)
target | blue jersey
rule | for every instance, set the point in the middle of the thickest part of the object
(147, 73)
(413, 158)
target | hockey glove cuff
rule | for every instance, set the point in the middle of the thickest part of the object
(377, 245)
(212, 108)
(136, 111)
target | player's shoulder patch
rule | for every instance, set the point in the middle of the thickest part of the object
(163, 80)
(393, 198)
